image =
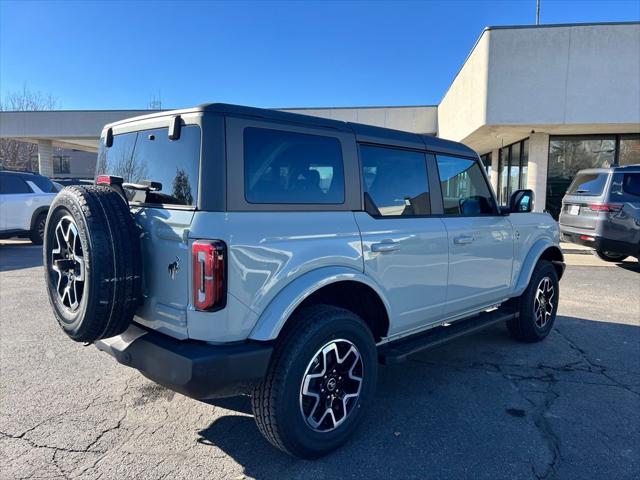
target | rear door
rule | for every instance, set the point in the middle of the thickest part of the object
(164, 216)
(480, 240)
(405, 248)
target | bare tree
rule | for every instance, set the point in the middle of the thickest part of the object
(14, 153)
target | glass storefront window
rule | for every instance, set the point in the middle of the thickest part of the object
(513, 168)
(568, 155)
(524, 164)
(629, 149)
(503, 178)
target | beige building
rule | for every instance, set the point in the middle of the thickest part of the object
(538, 103)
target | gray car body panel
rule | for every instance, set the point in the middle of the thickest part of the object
(278, 255)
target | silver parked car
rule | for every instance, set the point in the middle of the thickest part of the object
(229, 250)
(602, 210)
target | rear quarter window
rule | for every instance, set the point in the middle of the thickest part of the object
(282, 167)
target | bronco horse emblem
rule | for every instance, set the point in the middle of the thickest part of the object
(173, 268)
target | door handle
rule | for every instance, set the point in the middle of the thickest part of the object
(463, 240)
(383, 247)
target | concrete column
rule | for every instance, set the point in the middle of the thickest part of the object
(495, 162)
(45, 160)
(538, 164)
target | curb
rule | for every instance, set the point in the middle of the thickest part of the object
(577, 251)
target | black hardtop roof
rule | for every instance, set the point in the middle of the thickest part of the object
(432, 143)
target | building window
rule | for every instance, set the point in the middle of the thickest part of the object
(61, 164)
(486, 162)
(512, 169)
(570, 154)
(629, 149)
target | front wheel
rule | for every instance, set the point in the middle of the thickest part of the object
(538, 305)
(609, 256)
(319, 384)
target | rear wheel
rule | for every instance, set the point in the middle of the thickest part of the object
(538, 305)
(608, 256)
(319, 384)
(37, 232)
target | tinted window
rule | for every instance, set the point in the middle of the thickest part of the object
(150, 155)
(464, 188)
(395, 182)
(625, 184)
(44, 184)
(289, 167)
(588, 184)
(13, 184)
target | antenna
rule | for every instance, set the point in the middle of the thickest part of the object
(537, 12)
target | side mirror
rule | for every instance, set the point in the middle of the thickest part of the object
(521, 201)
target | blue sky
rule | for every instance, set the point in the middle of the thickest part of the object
(271, 54)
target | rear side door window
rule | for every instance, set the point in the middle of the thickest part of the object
(395, 182)
(284, 167)
(465, 191)
(13, 185)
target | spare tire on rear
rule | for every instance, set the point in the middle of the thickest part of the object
(92, 262)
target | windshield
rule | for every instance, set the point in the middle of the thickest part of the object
(588, 184)
(149, 155)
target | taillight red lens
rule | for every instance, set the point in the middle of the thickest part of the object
(605, 207)
(103, 180)
(208, 274)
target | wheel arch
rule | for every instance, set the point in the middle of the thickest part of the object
(337, 286)
(542, 250)
(36, 213)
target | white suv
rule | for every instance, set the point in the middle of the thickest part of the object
(24, 201)
(230, 249)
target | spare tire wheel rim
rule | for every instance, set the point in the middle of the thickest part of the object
(67, 264)
(331, 385)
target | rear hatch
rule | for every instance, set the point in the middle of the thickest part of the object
(586, 190)
(164, 213)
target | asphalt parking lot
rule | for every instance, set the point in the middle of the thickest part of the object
(482, 407)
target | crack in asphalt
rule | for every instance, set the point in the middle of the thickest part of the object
(548, 378)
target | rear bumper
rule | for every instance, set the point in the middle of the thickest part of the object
(588, 238)
(196, 369)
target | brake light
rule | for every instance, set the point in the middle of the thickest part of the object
(108, 180)
(208, 274)
(605, 207)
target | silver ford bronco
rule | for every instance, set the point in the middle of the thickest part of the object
(228, 250)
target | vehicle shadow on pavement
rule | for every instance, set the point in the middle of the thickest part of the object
(481, 407)
(19, 255)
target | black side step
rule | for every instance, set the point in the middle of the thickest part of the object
(400, 350)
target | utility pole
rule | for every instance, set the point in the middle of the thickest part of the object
(537, 12)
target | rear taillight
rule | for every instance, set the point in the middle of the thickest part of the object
(605, 207)
(208, 274)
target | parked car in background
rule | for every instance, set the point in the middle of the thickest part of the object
(24, 202)
(602, 210)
